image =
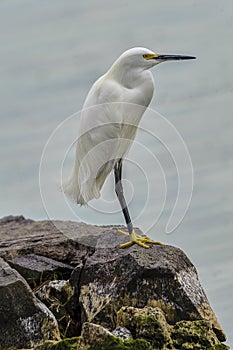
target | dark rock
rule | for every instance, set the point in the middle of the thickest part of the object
(161, 277)
(36, 269)
(68, 242)
(24, 321)
(75, 276)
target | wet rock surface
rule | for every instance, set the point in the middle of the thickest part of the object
(100, 297)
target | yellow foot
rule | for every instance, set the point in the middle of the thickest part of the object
(137, 239)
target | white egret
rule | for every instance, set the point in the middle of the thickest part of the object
(108, 126)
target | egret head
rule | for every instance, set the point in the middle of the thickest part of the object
(142, 58)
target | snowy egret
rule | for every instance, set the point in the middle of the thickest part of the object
(108, 125)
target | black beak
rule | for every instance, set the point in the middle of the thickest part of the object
(173, 57)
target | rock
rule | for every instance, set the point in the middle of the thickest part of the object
(65, 344)
(96, 337)
(161, 277)
(122, 333)
(56, 290)
(65, 241)
(148, 328)
(132, 299)
(24, 321)
(147, 323)
(57, 296)
(150, 324)
(198, 334)
(36, 269)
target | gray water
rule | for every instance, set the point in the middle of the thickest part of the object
(51, 53)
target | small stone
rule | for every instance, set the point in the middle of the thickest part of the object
(122, 333)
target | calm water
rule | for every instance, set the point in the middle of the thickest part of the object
(52, 53)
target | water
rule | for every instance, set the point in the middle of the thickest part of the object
(50, 56)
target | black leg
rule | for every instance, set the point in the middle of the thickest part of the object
(120, 195)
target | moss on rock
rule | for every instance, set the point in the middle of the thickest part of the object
(118, 344)
(96, 337)
(219, 347)
(65, 344)
(147, 323)
(150, 324)
(193, 335)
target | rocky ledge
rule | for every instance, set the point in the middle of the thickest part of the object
(69, 286)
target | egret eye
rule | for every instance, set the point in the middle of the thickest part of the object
(146, 56)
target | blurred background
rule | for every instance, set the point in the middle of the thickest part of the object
(51, 52)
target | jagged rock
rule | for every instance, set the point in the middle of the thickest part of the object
(65, 241)
(162, 277)
(57, 296)
(36, 269)
(24, 320)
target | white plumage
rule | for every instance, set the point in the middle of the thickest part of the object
(108, 125)
(109, 119)
(108, 122)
